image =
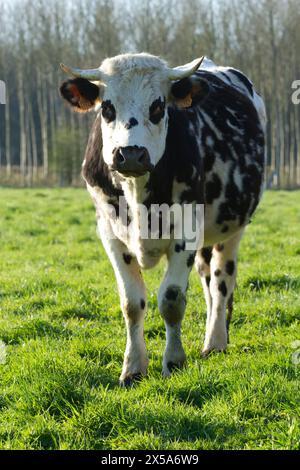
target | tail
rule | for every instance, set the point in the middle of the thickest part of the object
(229, 314)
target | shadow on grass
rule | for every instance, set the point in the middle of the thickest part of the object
(77, 312)
(34, 232)
(63, 392)
(184, 428)
(35, 306)
(102, 356)
(85, 313)
(165, 421)
(197, 396)
(155, 332)
(33, 329)
(282, 318)
(74, 221)
(271, 318)
(32, 288)
(280, 282)
(86, 240)
(46, 440)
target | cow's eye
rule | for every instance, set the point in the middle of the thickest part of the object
(157, 111)
(108, 111)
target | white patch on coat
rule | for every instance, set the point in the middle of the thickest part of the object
(237, 178)
(212, 125)
(209, 141)
(236, 129)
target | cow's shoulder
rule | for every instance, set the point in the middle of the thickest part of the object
(231, 80)
(229, 75)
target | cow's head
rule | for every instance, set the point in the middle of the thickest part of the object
(133, 91)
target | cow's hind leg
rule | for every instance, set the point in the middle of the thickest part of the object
(133, 304)
(202, 265)
(223, 270)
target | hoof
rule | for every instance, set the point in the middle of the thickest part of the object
(130, 380)
(208, 352)
(172, 367)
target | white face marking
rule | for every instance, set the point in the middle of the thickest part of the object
(132, 94)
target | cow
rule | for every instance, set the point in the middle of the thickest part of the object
(193, 134)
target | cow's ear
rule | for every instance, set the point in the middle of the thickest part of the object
(189, 91)
(81, 94)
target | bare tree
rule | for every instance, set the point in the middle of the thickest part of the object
(262, 38)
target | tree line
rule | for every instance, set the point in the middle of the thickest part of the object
(42, 142)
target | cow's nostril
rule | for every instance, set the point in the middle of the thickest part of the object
(120, 158)
(141, 158)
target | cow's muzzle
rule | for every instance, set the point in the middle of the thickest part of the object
(131, 161)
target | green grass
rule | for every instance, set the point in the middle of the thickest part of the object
(65, 337)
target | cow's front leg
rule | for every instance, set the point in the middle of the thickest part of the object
(133, 304)
(172, 302)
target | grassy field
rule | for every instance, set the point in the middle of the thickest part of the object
(64, 336)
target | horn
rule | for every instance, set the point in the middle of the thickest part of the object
(89, 74)
(184, 70)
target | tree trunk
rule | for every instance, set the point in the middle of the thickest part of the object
(7, 136)
(43, 114)
(22, 128)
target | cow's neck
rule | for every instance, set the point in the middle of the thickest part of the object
(134, 189)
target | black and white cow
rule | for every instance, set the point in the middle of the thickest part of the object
(191, 134)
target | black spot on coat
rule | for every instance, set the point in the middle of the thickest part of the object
(95, 170)
(222, 288)
(171, 293)
(179, 247)
(131, 123)
(213, 189)
(206, 254)
(190, 260)
(229, 268)
(157, 110)
(127, 258)
(108, 111)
